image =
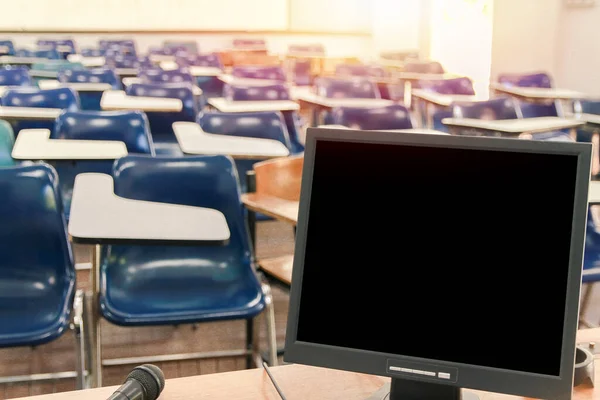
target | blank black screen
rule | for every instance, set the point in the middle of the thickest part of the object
(449, 254)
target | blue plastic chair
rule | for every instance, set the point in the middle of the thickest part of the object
(169, 285)
(15, 76)
(533, 79)
(38, 298)
(63, 98)
(265, 125)
(591, 264)
(211, 86)
(158, 75)
(7, 140)
(129, 127)
(332, 87)
(178, 46)
(7, 48)
(454, 86)
(373, 71)
(279, 91)
(161, 123)
(125, 47)
(91, 52)
(493, 109)
(91, 100)
(272, 73)
(536, 110)
(63, 46)
(395, 116)
(50, 69)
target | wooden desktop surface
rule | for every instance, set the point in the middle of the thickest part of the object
(297, 382)
(276, 207)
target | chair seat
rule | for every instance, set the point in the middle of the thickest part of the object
(159, 285)
(40, 310)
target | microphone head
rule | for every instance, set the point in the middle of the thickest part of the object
(150, 377)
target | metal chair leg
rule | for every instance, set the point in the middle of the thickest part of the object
(80, 339)
(270, 324)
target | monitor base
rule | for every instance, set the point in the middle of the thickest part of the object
(442, 392)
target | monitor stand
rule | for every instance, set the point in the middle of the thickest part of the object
(403, 389)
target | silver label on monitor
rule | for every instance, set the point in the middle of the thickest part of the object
(422, 370)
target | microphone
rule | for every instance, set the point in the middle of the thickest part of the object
(144, 382)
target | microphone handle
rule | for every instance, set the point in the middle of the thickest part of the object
(130, 390)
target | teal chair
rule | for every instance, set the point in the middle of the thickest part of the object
(49, 69)
(7, 140)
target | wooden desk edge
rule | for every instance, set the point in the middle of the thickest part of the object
(256, 206)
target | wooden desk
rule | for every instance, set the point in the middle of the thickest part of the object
(77, 86)
(193, 140)
(537, 94)
(319, 103)
(432, 100)
(224, 105)
(88, 62)
(35, 144)
(299, 382)
(118, 100)
(98, 216)
(14, 60)
(275, 207)
(511, 127)
(32, 113)
(129, 80)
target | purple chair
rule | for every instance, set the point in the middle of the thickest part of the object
(374, 71)
(277, 91)
(534, 79)
(272, 73)
(458, 86)
(63, 46)
(332, 87)
(122, 46)
(158, 75)
(200, 60)
(395, 116)
(424, 67)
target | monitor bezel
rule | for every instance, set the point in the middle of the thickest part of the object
(469, 376)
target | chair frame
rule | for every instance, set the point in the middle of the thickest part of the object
(79, 329)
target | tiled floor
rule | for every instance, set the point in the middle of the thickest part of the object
(274, 238)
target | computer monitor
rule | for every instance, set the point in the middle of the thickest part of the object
(443, 262)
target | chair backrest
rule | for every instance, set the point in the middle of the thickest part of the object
(63, 46)
(91, 52)
(7, 140)
(497, 108)
(64, 98)
(7, 47)
(374, 71)
(15, 76)
(269, 72)
(190, 46)
(459, 86)
(122, 46)
(534, 110)
(280, 177)
(534, 79)
(395, 116)
(158, 75)
(201, 181)
(37, 259)
(49, 53)
(424, 67)
(234, 92)
(127, 61)
(587, 106)
(129, 127)
(97, 75)
(200, 60)
(265, 125)
(161, 123)
(346, 88)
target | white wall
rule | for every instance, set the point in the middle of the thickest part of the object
(525, 36)
(578, 49)
(396, 25)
